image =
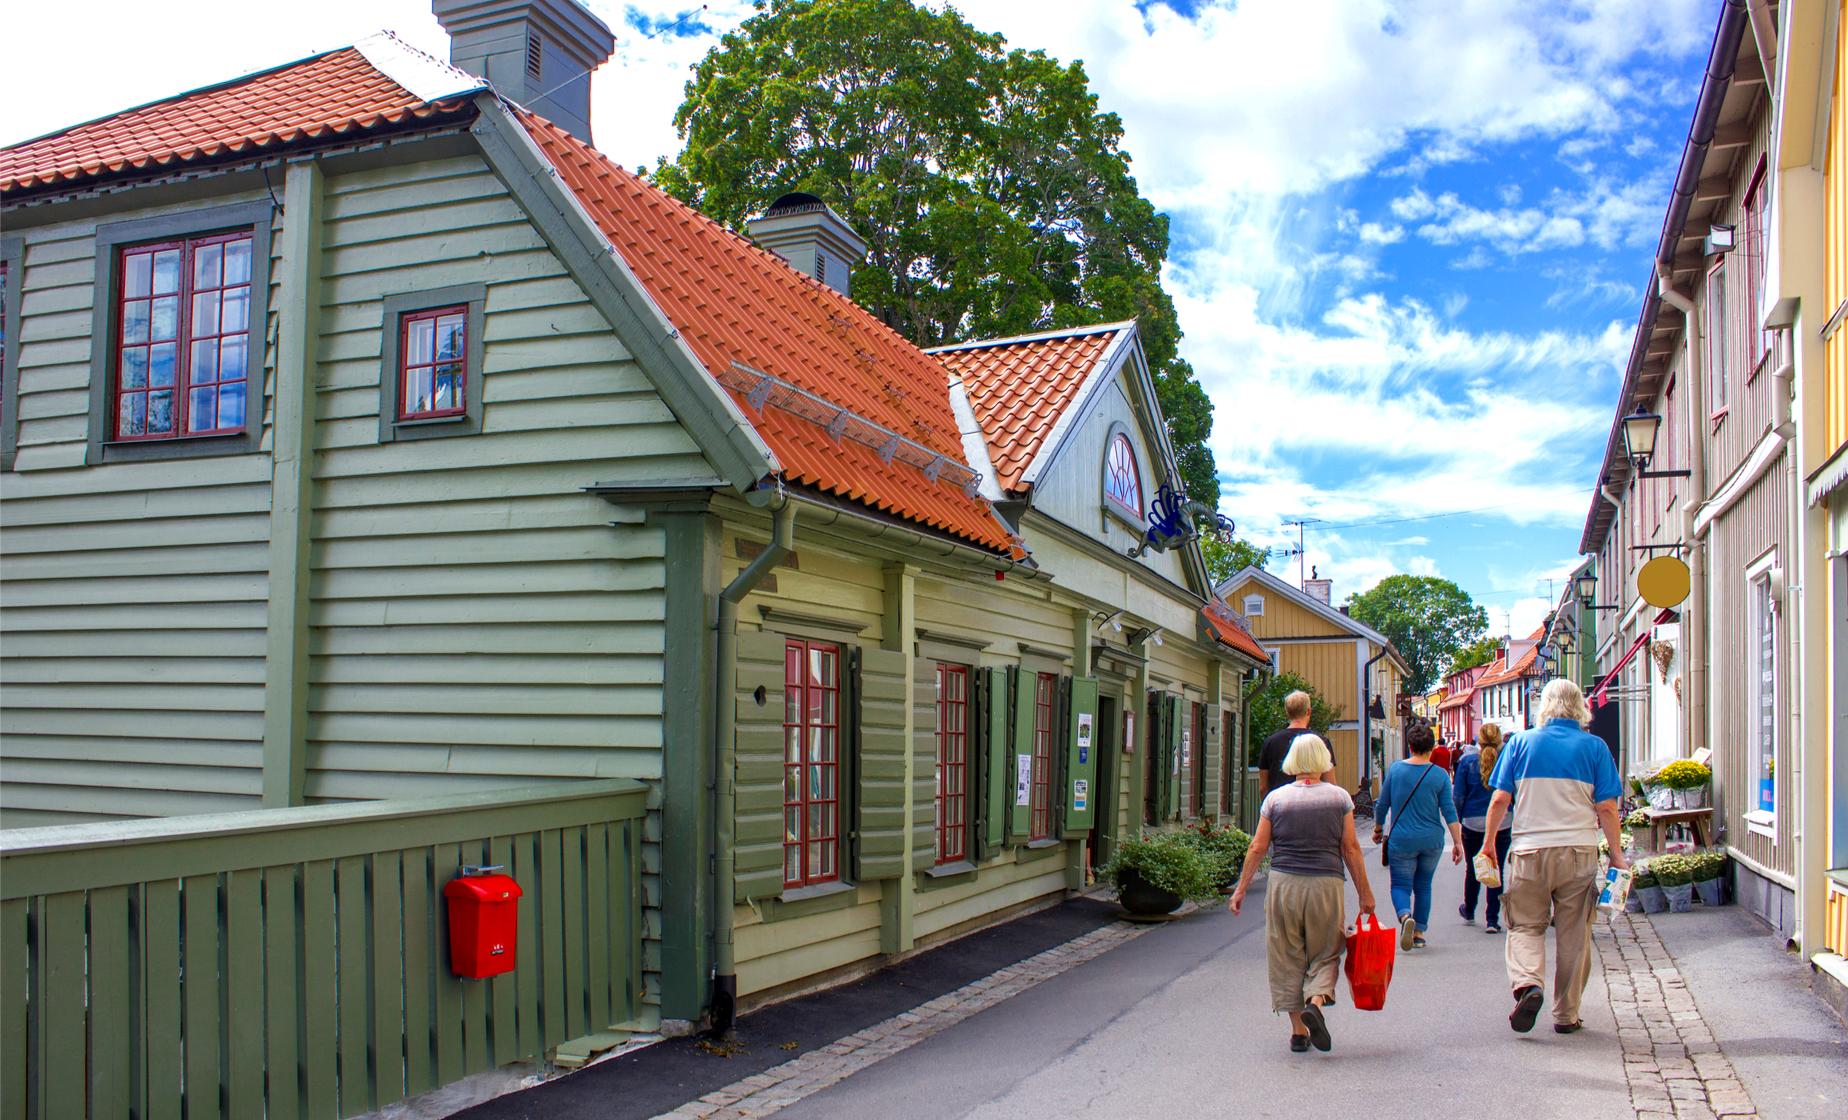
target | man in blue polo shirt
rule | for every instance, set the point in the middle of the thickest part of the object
(1564, 788)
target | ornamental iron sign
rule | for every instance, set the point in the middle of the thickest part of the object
(1174, 520)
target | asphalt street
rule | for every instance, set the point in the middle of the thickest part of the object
(1178, 1023)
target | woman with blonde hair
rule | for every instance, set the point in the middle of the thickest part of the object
(1307, 829)
(1472, 792)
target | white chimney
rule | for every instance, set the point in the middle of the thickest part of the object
(538, 53)
(804, 231)
(1319, 589)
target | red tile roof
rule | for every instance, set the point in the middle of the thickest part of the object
(734, 302)
(333, 94)
(1019, 389)
(1229, 630)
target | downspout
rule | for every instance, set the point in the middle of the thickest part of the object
(1694, 622)
(1366, 719)
(1764, 34)
(725, 750)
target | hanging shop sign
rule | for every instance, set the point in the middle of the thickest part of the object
(1174, 520)
(1664, 581)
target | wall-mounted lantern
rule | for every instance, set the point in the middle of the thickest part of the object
(1639, 441)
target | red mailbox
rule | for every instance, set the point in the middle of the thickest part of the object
(484, 925)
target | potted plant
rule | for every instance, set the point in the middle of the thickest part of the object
(1675, 875)
(1154, 874)
(1637, 818)
(1687, 780)
(1224, 846)
(1646, 890)
(1710, 876)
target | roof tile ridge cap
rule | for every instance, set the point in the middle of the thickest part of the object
(430, 74)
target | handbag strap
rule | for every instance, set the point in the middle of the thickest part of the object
(1397, 810)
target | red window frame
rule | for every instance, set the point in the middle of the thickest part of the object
(811, 762)
(434, 363)
(1718, 320)
(1755, 341)
(174, 338)
(1122, 478)
(952, 763)
(1045, 694)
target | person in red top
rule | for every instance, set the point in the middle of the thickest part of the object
(1440, 755)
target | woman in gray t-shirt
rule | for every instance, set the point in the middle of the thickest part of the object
(1307, 827)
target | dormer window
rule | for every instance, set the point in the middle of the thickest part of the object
(1122, 478)
(1254, 606)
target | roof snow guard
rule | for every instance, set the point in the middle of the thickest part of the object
(761, 389)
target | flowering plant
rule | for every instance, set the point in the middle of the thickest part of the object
(1683, 773)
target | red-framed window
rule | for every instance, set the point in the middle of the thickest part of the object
(1719, 324)
(183, 338)
(952, 763)
(433, 363)
(811, 762)
(1045, 691)
(1755, 339)
(1122, 481)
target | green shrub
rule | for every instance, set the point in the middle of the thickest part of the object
(1225, 847)
(1170, 861)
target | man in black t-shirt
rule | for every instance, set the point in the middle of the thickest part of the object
(1277, 745)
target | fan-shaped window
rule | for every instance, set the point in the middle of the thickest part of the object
(1122, 481)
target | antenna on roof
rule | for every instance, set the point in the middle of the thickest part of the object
(1302, 580)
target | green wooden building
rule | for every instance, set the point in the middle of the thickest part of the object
(389, 482)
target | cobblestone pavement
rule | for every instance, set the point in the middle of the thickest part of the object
(1675, 1068)
(781, 1086)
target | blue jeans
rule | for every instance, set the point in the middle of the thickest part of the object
(1412, 870)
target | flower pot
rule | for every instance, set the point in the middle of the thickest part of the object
(1660, 797)
(1633, 904)
(1140, 897)
(1680, 898)
(1651, 897)
(1695, 798)
(1710, 891)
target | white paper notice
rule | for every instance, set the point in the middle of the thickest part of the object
(1081, 790)
(1084, 729)
(1023, 781)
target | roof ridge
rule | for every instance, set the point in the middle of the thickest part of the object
(417, 72)
(1035, 336)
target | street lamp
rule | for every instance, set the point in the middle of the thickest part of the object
(1639, 440)
(1587, 587)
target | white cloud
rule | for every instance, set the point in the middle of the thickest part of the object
(1373, 233)
(1606, 214)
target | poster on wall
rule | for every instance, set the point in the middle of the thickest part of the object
(1185, 756)
(1129, 733)
(1023, 780)
(1084, 738)
(1081, 793)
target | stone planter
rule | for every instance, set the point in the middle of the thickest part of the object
(1140, 897)
(1651, 898)
(1711, 892)
(1680, 898)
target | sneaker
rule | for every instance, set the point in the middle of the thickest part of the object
(1469, 919)
(1492, 927)
(1318, 1028)
(1408, 931)
(1299, 1044)
(1527, 1003)
(1418, 942)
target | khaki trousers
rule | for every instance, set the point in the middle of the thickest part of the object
(1303, 937)
(1556, 886)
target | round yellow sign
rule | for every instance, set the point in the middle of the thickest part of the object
(1663, 582)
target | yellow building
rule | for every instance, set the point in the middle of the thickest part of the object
(1352, 665)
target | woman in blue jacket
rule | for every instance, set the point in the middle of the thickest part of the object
(1416, 794)
(1472, 794)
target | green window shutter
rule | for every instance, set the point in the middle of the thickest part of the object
(757, 818)
(1020, 760)
(1082, 737)
(1171, 773)
(881, 764)
(924, 765)
(999, 785)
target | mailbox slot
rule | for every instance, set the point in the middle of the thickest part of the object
(484, 926)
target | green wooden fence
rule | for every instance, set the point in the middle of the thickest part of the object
(294, 962)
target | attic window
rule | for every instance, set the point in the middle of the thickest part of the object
(1254, 606)
(532, 56)
(1122, 479)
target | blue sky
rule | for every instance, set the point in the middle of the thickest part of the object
(1410, 236)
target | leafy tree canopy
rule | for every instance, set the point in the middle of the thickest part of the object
(1267, 715)
(1226, 556)
(994, 197)
(1426, 617)
(1479, 652)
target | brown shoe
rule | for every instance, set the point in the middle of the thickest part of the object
(1568, 1028)
(1527, 1003)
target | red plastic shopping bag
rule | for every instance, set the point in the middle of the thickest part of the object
(1370, 949)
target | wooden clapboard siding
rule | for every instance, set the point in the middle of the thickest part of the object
(775, 953)
(474, 615)
(1737, 539)
(1003, 613)
(1021, 876)
(132, 599)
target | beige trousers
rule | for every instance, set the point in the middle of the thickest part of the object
(1556, 886)
(1303, 937)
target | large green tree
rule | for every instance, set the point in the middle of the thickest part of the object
(994, 197)
(1429, 619)
(1479, 652)
(1226, 556)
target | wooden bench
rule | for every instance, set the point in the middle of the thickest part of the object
(1700, 820)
